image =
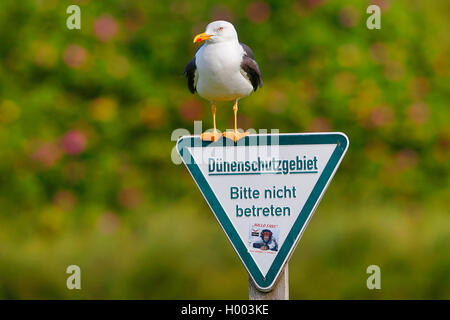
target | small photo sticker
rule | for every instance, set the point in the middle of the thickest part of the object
(263, 237)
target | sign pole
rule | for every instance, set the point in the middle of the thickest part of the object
(280, 290)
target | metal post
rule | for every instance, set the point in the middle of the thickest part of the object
(280, 290)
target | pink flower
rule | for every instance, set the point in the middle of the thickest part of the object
(191, 109)
(418, 112)
(75, 56)
(73, 142)
(382, 116)
(258, 12)
(383, 4)
(108, 222)
(378, 52)
(320, 125)
(66, 200)
(47, 154)
(105, 28)
(130, 197)
(349, 17)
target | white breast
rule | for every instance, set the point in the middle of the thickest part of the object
(219, 72)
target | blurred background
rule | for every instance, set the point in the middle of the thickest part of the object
(86, 118)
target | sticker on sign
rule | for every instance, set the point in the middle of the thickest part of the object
(263, 190)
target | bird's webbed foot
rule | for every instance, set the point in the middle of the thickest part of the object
(235, 135)
(211, 136)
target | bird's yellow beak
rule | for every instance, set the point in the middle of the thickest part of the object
(201, 37)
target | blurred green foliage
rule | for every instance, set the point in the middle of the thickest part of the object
(86, 118)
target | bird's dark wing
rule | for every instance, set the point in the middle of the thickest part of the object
(251, 68)
(191, 73)
(190, 70)
(247, 50)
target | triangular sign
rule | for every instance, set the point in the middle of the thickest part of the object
(263, 190)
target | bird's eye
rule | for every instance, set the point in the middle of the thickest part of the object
(220, 29)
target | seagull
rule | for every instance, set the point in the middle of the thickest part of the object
(223, 69)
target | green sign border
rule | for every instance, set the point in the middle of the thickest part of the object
(338, 138)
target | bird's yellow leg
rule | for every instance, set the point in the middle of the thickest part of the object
(235, 134)
(215, 135)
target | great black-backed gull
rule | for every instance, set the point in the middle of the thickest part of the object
(223, 69)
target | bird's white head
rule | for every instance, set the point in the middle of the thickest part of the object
(218, 31)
